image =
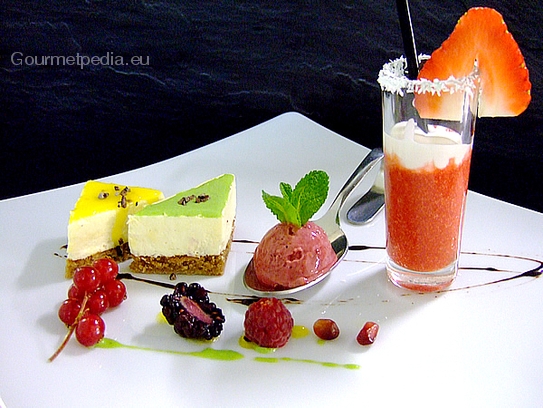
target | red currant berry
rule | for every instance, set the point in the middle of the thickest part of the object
(90, 330)
(115, 292)
(75, 293)
(98, 302)
(86, 279)
(107, 269)
(68, 311)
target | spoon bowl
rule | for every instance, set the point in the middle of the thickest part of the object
(370, 204)
(330, 223)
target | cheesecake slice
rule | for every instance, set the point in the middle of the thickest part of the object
(189, 233)
(97, 226)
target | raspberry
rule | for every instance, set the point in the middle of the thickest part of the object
(268, 323)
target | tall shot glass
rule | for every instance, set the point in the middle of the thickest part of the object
(428, 129)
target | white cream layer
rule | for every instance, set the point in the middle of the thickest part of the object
(90, 235)
(172, 236)
(417, 149)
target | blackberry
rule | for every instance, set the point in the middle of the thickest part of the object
(190, 312)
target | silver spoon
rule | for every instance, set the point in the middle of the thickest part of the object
(330, 223)
(370, 204)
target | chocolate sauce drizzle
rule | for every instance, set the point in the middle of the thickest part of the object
(246, 300)
(535, 272)
(240, 299)
(532, 273)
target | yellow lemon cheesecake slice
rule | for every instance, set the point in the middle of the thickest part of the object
(97, 226)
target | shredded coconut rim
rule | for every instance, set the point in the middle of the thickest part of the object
(392, 79)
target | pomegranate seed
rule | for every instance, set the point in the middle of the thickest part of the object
(326, 329)
(368, 334)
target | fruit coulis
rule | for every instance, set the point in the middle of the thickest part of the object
(424, 210)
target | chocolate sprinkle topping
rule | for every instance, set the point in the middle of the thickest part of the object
(124, 202)
(197, 199)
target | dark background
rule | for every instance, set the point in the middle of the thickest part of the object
(216, 68)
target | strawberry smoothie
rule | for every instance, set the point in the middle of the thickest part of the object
(424, 209)
(426, 181)
(430, 106)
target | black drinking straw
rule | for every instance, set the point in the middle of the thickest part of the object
(408, 38)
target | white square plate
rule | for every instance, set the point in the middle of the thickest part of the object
(468, 346)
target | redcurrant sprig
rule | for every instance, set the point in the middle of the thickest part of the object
(94, 290)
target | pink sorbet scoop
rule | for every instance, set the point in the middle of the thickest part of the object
(289, 256)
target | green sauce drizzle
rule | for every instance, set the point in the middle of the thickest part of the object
(299, 332)
(303, 360)
(209, 353)
(246, 344)
(263, 350)
(226, 355)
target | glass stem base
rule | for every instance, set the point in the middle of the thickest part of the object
(421, 281)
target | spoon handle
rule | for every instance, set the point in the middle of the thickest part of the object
(373, 158)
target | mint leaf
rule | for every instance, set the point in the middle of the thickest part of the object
(299, 205)
(310, 194)
(286, 190)
(281, 208)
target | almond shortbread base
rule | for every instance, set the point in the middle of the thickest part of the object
(119, 254)
(210, 265)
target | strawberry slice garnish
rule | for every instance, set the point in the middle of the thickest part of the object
(480, 37)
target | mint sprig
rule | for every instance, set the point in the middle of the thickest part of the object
(296, 206)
